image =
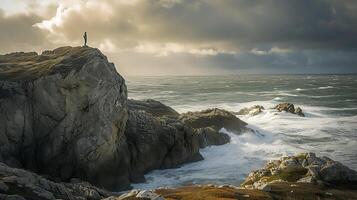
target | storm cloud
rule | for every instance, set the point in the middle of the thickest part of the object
(190, 37)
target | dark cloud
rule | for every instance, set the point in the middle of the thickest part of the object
(194, 36)
(293, 24)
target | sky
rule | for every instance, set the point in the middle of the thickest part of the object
(192, 37)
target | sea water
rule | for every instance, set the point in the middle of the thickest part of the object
(329, 128)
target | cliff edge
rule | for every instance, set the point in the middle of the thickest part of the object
(63, 114)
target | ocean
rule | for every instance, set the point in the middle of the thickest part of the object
(329, 128)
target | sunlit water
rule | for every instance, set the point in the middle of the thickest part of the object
(329, 128)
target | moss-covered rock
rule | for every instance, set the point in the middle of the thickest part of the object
(304, 167)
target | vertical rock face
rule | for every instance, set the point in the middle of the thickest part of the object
(63, 113)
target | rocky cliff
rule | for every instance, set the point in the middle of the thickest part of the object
(65, 114)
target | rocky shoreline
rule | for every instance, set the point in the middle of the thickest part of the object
(68, 131)
(303, 176)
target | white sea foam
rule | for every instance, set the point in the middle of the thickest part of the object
(228, 163)
(326, 87)
(275, 134)
(328, 130)
(277, 99)
(287, 94)
(299, 89)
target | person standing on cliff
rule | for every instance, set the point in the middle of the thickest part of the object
(85, 38)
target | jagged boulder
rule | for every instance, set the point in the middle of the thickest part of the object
(289, 107)
(153, 107)
(21, 184)
(302, 168)
(63, 113)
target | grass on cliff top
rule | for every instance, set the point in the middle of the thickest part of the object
(291, 176)
(211, 193)
(279, 191)
(24, 66)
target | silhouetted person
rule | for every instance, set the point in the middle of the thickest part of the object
(85, 38)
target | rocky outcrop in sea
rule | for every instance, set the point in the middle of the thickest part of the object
(289, 107)
(257, 109)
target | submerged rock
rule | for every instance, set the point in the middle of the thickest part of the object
(289, 107)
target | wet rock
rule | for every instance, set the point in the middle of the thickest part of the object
(155, 108)
(214, 118)
(253, 110)
(299, 112)
(208, 124)
(208, 136)
(158, 143)
(289, 107)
